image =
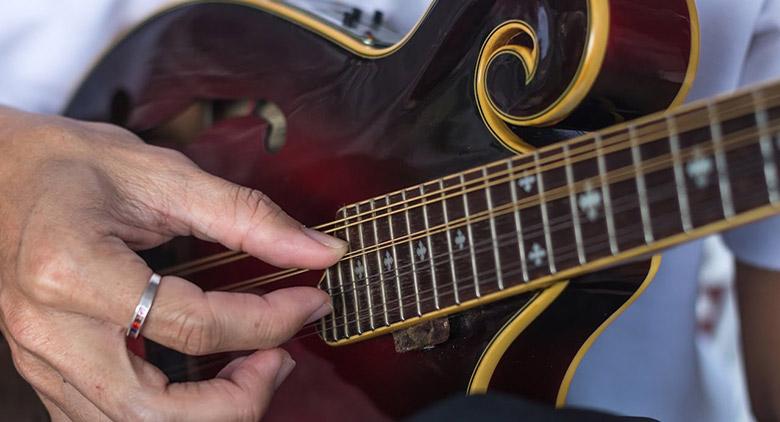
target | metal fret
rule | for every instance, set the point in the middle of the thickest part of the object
(379, 265)
(343, 299)
(518, 222)
(449, 243)
(575, 215)
(329, 283)
(493, 234)
(411, 256)
(720, 163)
(641, 187)
(366, 274)
(545, 218)
(606, 197)
(679, 176)
(354, 283)
(471, 236)
(430, 253)
(767, 151)
(395, 261)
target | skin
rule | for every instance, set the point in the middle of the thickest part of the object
(757, 293)
(77, 200)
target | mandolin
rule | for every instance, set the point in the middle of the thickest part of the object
(503, 174)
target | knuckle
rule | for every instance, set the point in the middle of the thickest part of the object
(25, 332)
(197, 333)
(258, 205)
(50, 277)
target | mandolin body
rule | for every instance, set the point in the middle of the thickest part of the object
(211, 79)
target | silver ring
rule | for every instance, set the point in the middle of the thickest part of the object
(144, 305)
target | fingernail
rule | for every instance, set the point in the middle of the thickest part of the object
(323, 310)
(288, 364)
(325, 239)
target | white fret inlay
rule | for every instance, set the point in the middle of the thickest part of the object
(449, 243)
(379, 265)
(575, 215)
(699, 168)
(537, 255)
(641, 187)
(720, 163)
(460, 239)
(770, 168)
(679, 176)
(421, 250)
(470, 237)
(354, 283)
(527, 183)
(590, 202)
(518, 224)
(606, 196)
(545, 218)
(411, 255)
(364, 272)
(493, 233)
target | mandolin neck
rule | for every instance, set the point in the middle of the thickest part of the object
(517, 224)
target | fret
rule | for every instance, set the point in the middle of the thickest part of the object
(343, 293)
(352, 279)
(767, 151)
(518, 222)
(720, 162)
(467, 216)
(605, 196)
(644, 208)
(390, 261)
(545, 218)
(367, 273)
(451, 255)
(329, 283)
(431, 253)
(380, 267)
(493, 234)
(411, 256)
(679, 176)
(573, 203)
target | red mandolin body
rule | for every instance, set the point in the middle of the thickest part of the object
(269, 97)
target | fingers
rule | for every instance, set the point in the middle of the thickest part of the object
(247, 220)
(124, 387)
(187, 319)
(109, 284)
(242, 391)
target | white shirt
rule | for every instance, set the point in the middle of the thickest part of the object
(648, 362)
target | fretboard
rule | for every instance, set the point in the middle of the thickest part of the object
(476, 236)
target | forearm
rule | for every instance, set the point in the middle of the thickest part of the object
(758, 293)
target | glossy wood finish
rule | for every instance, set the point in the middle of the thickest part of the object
(358, 128)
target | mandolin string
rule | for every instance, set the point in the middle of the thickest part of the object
(566, 252)
(205, 362)
(733, 112)
(654, 197)
(649, 166)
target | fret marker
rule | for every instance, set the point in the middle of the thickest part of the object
(537, 255)
(460, 239)
(699, 169)
(388, 261)
(359, 270)
(421, 250)
(527, 183)
(590, 202)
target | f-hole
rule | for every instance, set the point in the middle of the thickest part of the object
(186, 126)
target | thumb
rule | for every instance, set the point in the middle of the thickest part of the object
(246, 219)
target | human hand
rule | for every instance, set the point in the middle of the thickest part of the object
(75, 200)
